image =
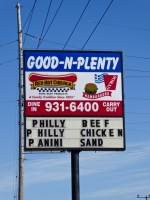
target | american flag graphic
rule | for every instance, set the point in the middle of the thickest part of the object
(99, 78)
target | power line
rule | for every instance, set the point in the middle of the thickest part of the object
(7, 10)
(50, 24)
(91, 21)
(8, 43)
(62, 44)
(136, 70)
(129, 27)
(74, 18)
(136, 76)
(27, 18)
(97, 169)
(139, 113)
(78, 48)
(45, 21)
(138, 123)
(77, 23)
(139, 148)
(30, 19)
(102, 154)
(137, 57)
(137, 98)
(99, 155)
(137, 130)
(97, 24)
(8, 101)
(8, 61)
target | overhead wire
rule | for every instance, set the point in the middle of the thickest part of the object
(76, 23)
(9, 61)
(137, 57)
(97, 24)
(135, 70)
(102, 153)
(137, 130)
(97, 155)
(8, 43)
(97, 169)
(91, 21)
(37, 38)
(133, 147)
(8, 101)
(50, 24)
(30, 19)
(137, 114)
(137, 122)
(7, 10)
(123, 26)
(27, 18)
(136, 76)
(45, 21)
(137, 98)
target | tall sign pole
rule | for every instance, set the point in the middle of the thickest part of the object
(21, 110)
(75, 175)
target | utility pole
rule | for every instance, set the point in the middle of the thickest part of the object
(146, 197)
(21, 110)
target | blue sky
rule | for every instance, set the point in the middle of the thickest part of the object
(113, 175)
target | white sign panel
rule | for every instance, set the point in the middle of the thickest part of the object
(75, 133)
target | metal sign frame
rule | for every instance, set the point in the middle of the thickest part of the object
(86, 117)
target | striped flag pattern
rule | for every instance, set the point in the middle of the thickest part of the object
(99, 78)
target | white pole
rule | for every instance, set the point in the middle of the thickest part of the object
(21, 110)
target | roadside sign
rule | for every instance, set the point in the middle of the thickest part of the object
(73, 100)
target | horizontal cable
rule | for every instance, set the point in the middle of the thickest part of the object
(137, 122)
(102, 154)
(98, 169)
(8, 43)
(132, 147)
(79, 48)
(37, 38)
(136, 76)
(99, 155)
(139, 113)
(91, 21)
(137, 130)
(138, 57)
(136, 70)
(137, 98)
(9, 61)
(8, 101)
(7, 10)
